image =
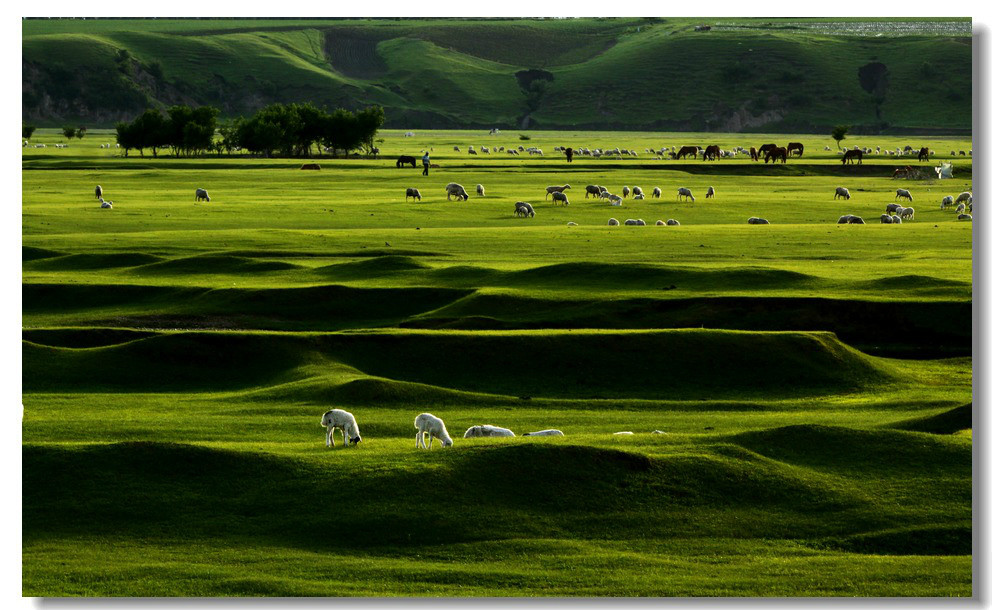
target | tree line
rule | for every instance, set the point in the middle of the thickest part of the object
(290, 130)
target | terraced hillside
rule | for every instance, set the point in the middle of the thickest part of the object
(810, 382)
(739, 75)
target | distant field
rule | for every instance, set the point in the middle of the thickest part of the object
(812, 380)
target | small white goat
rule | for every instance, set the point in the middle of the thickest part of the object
(432, 426)
(338, 419)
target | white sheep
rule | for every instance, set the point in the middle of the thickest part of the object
(855, 220)
(457, 149)
(559, 197)
(842, 192)
(660, 223)
(656, 192)
(892, 208)
(480, 190)
(710, 192)
(639, 196)
(885, 219)
(903, 193)
(947, 202)
(457, 190)
(672, 222)
(523, 209)
(615, 199)
(907, 213)
(960, 209)
(201, 194)
(487, 430)
(99, 192)
(626, 191)
(845, 219)
(592, 189)
(555, 189)
(754, 220)
(613, 222)
(550, 432)
(896, 220)
(965, 197)
(106, 204)
(571, 224)
(964, 216)
(684, 192)
(338, 419)
(625, 432)
(637, 191)
(411, 192)
(427, 424)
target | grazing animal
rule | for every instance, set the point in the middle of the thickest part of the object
(523, 209)
(843, 220)
(457, 190)
(428, 425)
(487, 430)
(764, 148)
(637, 191)
(685, 151)
(480, 190)
(615, 199)
(626, 191)
(555, 189)
(551, 432)
(855, 220)
(776, 153)
(907, 213)
(672, 222)
(684, 192)
(924, 154)
(795, 148)
(639, 197)
(754, 220)
(965, 196)
(415, 193)
(660, 223)
(99, 192)
(636, 222)
(885, 219)
(624, 432)
(404, 159)
(106, 204)
(964, 216)
(559, 197)
(592, 189)
(947, 202)
(842, 192)
(851, 155)
(712, 153)
(656, 192)
(338, 419)
(892, 208)
(710, 192)
(961, 208)
(754, 154)
(896, 220)
(903, 193)
(613, 222)
(201, 194)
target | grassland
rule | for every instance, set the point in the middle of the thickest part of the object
(813, 380)
(742, 75)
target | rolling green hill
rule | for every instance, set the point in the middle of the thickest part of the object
(740, 75)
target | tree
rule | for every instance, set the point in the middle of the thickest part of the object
(27, 131)
(839, 133)
(80, 132)
(69, 132)
(369, 122)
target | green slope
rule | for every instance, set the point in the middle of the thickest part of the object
(597, 73)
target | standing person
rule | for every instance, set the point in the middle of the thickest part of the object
(568, 154)
(427, 163)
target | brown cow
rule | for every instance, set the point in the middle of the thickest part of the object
(712, 153)
(776, 153)
(685, 151)
(851, 155)
(754, 154)
(796, 147)
(765, 148)
(924, 154)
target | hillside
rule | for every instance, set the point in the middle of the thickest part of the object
(765, 75)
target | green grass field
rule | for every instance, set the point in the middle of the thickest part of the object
(813, 380)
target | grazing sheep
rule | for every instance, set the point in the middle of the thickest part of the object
(613, 222)
(555, 189)
(892, 208)
(885, 219)
(960, 209)
(615, 199)
(684, 192)
(907, 213)
(472, 151)
(672, 222)
(99, 192)
(843, 220)
(523, 209)
(639, 196)
(457, 149)
(903, 193)
(965, 196)
(656, 192)
(637, 191)
(624, 432)
(487, 430)
(571, 224)
(427, 424)
(947, 202)
(338, 419)
(658, 432)
(551, 432)
(626, 191)
(964, 216)
(710, 192)
(842, 192)
(592, 189)
(896, 220)
(855, 220)
(457, 190)
(660, 223)
(558, 196)
(754, 220)
(202, 194)
(106, 204)
(630, 222)
(899, 210)
(415, 193)
(480, 190)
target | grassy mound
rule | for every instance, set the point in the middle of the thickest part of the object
(926, 540)
(82, 262)
(372, 267)
(81, 338)
(31, 253)
(948, 422)
(213, 265)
